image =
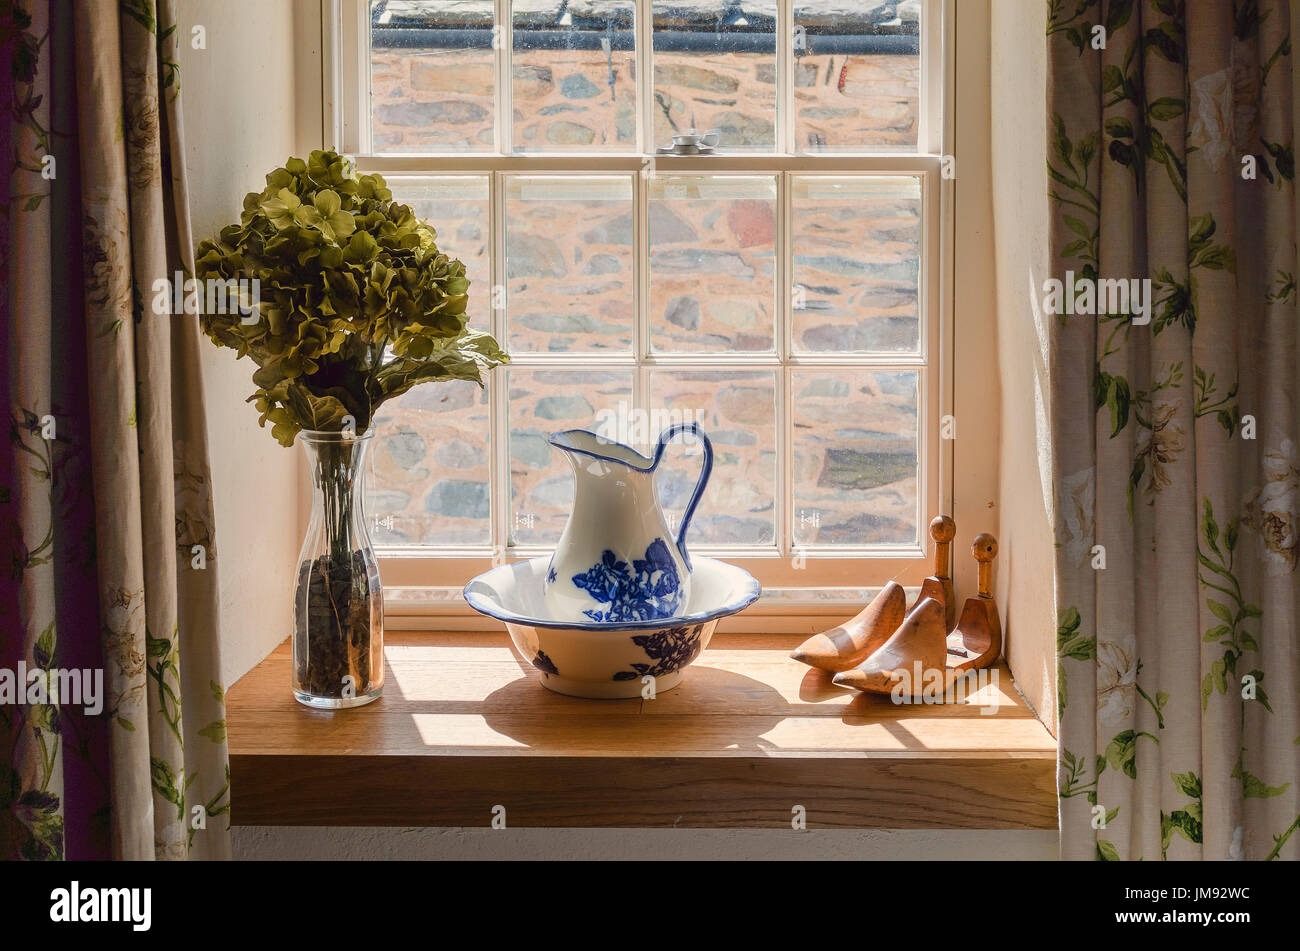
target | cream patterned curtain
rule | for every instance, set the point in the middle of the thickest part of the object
(1171, 159)
(105, 510)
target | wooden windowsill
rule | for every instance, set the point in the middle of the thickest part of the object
(464, 725)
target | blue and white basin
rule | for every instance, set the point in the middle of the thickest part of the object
(609, 660)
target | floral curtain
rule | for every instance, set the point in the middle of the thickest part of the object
(105, 511)
(1171, 161)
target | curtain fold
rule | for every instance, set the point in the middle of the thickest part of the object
(1171, 168)
(105, 504)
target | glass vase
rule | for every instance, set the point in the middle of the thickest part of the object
(338, 624)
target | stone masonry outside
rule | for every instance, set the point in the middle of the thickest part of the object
(570, 286)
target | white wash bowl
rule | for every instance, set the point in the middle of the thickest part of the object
(608, 661)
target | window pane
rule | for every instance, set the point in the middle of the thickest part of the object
(429, 468)
(574, 72)
(458, 208)
(712, 263)
(432, 76)
(738, 412)
(544, 402)
(855, 457)
(857, 82)
(857, 264)
(569, 249)
(428, 482)
(715, 68)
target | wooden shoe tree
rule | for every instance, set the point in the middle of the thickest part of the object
(976, 642)
(939, 585)
(921, 638)
(850, 643)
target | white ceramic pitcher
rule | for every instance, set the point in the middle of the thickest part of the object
(617, 561)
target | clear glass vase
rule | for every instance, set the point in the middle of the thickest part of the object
(338, 623)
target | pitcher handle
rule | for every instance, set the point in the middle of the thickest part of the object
(669, 434)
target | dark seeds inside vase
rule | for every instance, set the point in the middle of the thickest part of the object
(333, 640)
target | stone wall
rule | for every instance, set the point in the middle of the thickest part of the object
(570, 289)
(580, 100)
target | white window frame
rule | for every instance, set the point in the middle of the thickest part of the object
(427, 580)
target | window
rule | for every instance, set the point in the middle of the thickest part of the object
(785, 290)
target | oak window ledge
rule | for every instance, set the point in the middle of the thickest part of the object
(464, 726)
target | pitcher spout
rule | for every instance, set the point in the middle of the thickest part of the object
(581, 443)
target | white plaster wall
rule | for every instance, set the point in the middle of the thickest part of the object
(1020, 214)
(976, 386)
(238, 113)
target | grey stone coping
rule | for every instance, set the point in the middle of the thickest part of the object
(687, 14)
(822, 16)
(449, 13)
(852, 16)
(466, 13)
(598, 13)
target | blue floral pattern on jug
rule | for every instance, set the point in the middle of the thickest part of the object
(671, 649)
(649, 591)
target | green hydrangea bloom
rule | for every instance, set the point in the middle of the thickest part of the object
(356, 303)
